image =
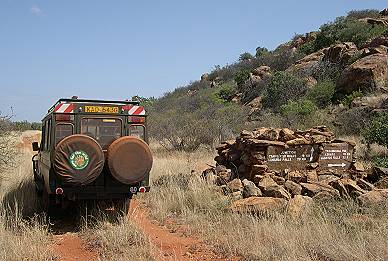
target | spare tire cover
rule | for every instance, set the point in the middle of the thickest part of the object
(78, 159)
(129, 159)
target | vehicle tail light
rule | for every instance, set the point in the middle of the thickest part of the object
(64, 117)
(59, 191)
(142, 190)
(136, 119)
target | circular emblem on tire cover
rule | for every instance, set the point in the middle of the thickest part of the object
(79, 159)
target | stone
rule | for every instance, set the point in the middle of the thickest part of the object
(374, 197)
(306, 65)
(250, 189)
(351, 186)
(279, 180)
(266, 182)
(297, 141)
(257, 178)
(311, 175)
(235, 185)
(357, 166)
(265, 143)
(204, 77)
(293, 188)
(262, 71)
(296, 176)
(377, 173)
(382, 183)
(327, 178)
(268, 134)
(259, 169)
(338, 185)
(298, 206)
(340, 53)
(365, 185)
(276, 192)
(224, 176)
(256, 103)
(325, 196)
(311, 189)
(286, 135)
(236, 195)
(258, 205)
(369, 73)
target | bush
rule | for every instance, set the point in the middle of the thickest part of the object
(380, 161)
(245, 57)
(346, 29)
(227, 92)
(298, 108)
(350, 97)
(241, 77)
(353, 120)
(322, 93)
(358, 14)
(283, 87)
(260, 51)
(377, 130)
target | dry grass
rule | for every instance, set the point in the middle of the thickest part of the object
(122, 241)
(24, 235)
(335, 231)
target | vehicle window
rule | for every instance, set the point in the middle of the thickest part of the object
(61, 131)
(104, 130)
(43, 140)
(137, 131)
(48, 131)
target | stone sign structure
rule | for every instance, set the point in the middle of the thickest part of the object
(336, 155)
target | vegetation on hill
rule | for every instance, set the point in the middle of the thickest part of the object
(297, 85)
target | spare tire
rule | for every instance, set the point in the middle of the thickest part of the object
(129, 159)
(78, 159)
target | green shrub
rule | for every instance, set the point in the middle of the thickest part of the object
(298, 108)
(380, 161)
(377, 130)
(227, 92)
(245, 57)
(350, 97)
(322, 93)
(283, 87)
(241, 77)
(346, 29)
(358, 14)
(307, 48)
(260, 51)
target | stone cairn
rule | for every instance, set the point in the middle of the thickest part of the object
(269, 168)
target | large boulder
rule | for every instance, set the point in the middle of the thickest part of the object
(250, 189)
(298, 206)
(235, 185)
(374, 197)
(293, 187)
(340, 53)
(258, 205)
(367, 74)
(311, 189)
(307, 64)
(277, 192)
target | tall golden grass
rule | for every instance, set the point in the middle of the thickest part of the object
(338, 230)
(24, 234)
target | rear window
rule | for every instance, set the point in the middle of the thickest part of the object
(137, 131)
(61, 131)
(104, 130)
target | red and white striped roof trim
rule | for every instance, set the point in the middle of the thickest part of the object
(64, 108)
(134, 109)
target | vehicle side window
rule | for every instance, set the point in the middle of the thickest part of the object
(48, 134)
(43, 140)
(62, 130)
(137, 131)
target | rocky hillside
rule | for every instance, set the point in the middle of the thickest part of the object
(337, 76)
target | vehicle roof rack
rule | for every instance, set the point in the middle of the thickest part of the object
(93, 101)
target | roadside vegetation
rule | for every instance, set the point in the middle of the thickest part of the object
(339, 230)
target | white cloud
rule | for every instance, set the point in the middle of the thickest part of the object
(35, 10)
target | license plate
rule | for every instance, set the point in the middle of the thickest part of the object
(101, 109)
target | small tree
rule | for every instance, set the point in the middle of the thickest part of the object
(245, 57)
(7, 144)
(260, 51)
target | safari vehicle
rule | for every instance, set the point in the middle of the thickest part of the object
(92, 150)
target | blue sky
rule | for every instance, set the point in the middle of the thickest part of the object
(116, 49)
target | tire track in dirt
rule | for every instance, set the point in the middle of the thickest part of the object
(168, 245)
